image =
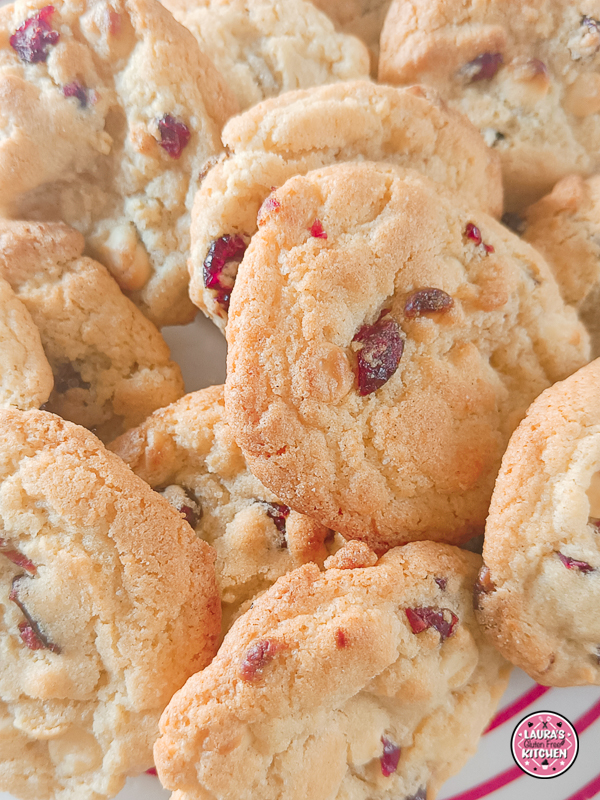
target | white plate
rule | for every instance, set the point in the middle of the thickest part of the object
(200, 350)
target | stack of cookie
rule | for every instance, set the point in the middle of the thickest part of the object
(277, 566)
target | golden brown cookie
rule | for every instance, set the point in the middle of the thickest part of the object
(111, 366)
(527, 76)
(304, 130)
(538, 594)
(110, 112)
(384, 341)
(367, 682)
(187, 453)
(108, 603)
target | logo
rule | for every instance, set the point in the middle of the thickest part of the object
(544, 744)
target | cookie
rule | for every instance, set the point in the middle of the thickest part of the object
(362, 18)
(25, 375)
(538, 594)
(370, 682)
(565, 227)
(108, 603)
(266, 47)
(187, 452)
(111, 366)
(384, 342)
(527, 77)
(110, 113)
(304, 130)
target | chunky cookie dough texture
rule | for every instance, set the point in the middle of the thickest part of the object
(25, 374)
(108, 603)
(301, 131)
(360, 682)
(538, 594)
(110, 113)
(187, 452)
(527, 75)
(380, 359)
(266, 47)
(565, 227)
(111, 365)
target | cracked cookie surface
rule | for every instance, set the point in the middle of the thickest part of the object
(379, 362)
(108, 604)
(370, 680)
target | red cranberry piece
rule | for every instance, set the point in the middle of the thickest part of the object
(378, 359)
(426, 301)
(483, 67)
(183, 501)
(279, 514)
(572, 563)
(341, 640)
(17, 558)
(221, 265)
(32, 40)
(269, 205)
(483, 585)
(30, 631)
(473, 233)
(442, 583)
(444, 621)
(257, 657)
(76, 89)
(316, 230)
(152, 771)
(390, 758)
(67, 377)
(174, 135)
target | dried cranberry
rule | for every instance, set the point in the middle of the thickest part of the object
(257, 657)
(32, 40)
(426, 301)
(514, 221)
(473, 233)
(76, 89)
(390, 758)
(443, 620)
(316, 230)
(152, 771)
(17, 558)
(269, 205)
(378, 359)
(279, 514)
(483, 67)
(66, 377)
(30, 631)
(184, 501)
(483, 585)
(221, 265)
(571, 563)
(341, 640)
(442, 583)
(174, 135)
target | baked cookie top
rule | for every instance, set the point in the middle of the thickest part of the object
(539, 591)
(565, 227)
(384, 342)
(266, 47)
(111, 365)
(301, 131)
(527, 76)
(188, 454)
(363, 682)
(25, 375)
(108, 603)
(110, 112)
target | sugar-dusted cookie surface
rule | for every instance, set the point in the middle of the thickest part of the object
(25, 374)
(110, 112)
(111, 365)
(528, 76)
(384, 342)
(362, 18)
(266, 47)
(301, 131)
(187, 452)
(108, 603)
(361, 682)
(538, 595)
(565, 227)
